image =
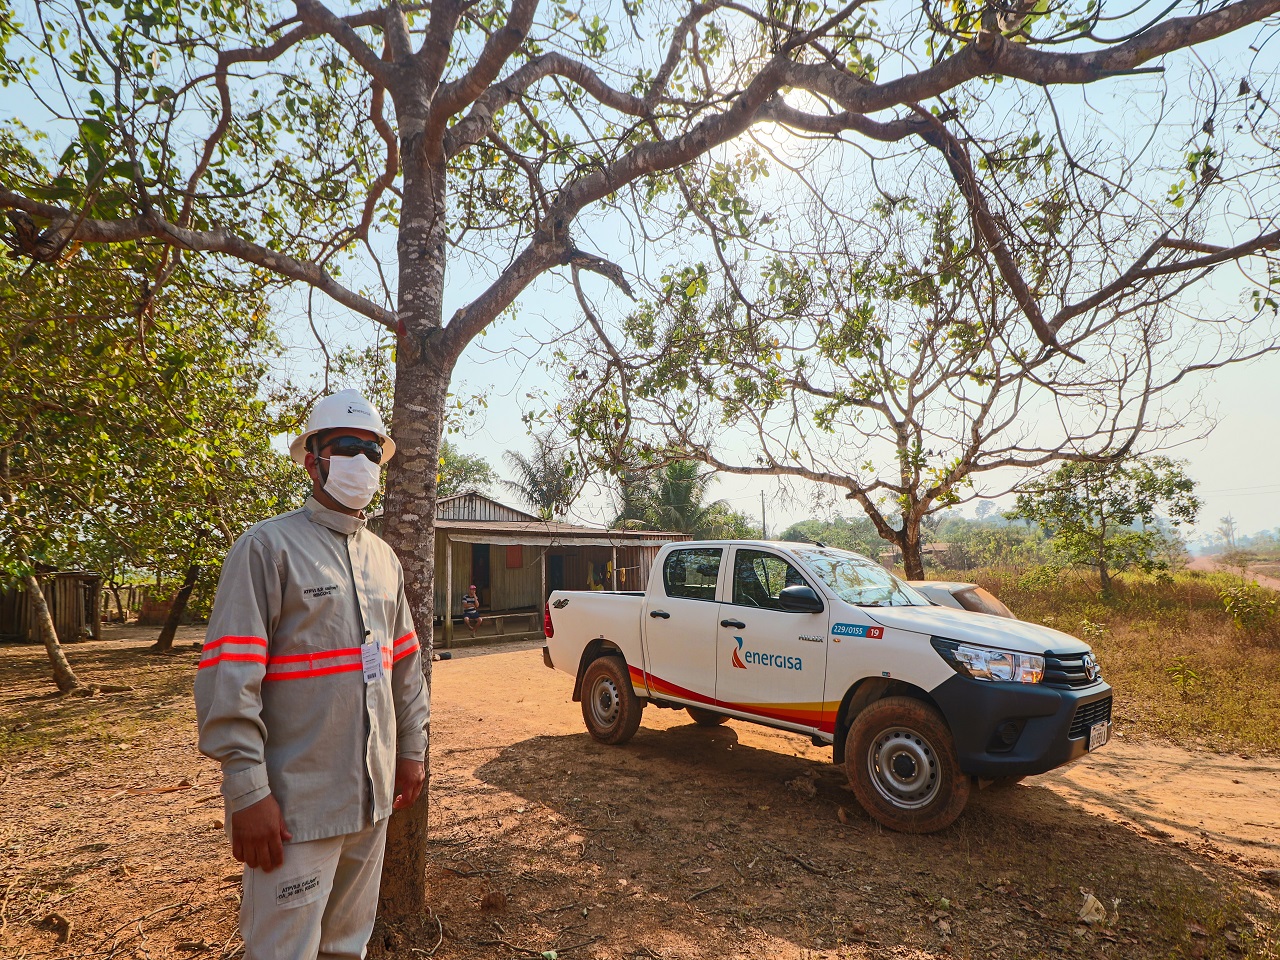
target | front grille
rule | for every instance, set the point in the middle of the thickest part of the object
(1087, 714)
(1066, 670)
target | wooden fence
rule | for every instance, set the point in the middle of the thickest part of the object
(74, 599)
(132, 598)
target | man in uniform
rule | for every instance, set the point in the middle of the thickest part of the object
(310, 694)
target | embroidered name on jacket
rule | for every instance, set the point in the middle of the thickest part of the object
(315, 593)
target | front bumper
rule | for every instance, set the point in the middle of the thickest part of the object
(1052, 724)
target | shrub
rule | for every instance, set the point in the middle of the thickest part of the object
(1251, 608)
(1182, 675)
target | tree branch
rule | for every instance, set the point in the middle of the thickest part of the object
(1139, 270)
(479, 120)
(320, 18)
(697, 12)
(66, 226)
(992, 54)
(454, 96)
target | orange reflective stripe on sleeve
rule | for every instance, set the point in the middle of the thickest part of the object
(210, 658)
(405, 646)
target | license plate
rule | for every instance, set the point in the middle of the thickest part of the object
(1099, 734)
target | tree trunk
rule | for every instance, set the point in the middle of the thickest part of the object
(912, 551)
(93, 607)
(63, 676)
(164, 643)
(115, 592)
(422, 385)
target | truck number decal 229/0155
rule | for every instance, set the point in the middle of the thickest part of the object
(853, 630)
(775, 660)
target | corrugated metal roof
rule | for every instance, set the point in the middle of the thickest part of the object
(476, 506)
(547, 531)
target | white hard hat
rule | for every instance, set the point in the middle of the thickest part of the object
(344, 410)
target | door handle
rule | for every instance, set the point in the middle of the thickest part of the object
(736, 624)
(660, 613)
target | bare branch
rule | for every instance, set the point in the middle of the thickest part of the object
(454, 96)
(66, 226)
(1139, 270)
(396, 34)
(581, 260)
(479, 120)
(994, 235)
(391, 167)
(321, 19)
(779, 111)
(992, 54)
(697, 11)
(433, 56)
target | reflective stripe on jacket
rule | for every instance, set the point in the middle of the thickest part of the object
(280, 693)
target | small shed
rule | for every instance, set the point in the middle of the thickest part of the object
(516, 559)
(75, 601)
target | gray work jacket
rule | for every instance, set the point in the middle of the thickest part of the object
(281, 696)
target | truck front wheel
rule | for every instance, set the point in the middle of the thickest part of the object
(901, 761)
(610, 708)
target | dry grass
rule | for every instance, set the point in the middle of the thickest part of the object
(1181, 667)
(688, 843)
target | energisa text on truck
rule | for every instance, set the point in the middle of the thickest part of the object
(918, 701)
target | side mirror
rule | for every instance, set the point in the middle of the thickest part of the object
(800, 599)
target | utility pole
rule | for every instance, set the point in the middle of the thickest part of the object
(763, 529)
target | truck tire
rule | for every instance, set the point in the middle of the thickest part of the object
(610, 708)
(706, 718)
(901, 761)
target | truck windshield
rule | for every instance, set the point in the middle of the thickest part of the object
(857, 580)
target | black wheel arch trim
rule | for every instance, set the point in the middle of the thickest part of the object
(864, 693)
(597, 648)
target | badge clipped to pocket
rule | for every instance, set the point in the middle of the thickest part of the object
(371, 659)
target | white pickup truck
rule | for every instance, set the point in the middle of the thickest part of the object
(919, 701)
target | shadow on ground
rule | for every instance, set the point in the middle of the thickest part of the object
(720, 848)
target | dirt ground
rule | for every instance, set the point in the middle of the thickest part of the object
(1212, 565)
(689, 842)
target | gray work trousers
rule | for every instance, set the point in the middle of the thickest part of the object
(319, 904)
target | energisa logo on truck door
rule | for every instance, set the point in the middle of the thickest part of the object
(775, 660)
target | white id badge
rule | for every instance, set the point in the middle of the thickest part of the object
(371, 658)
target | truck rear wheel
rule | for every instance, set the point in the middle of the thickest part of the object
(706, 718)
(610, 708)
(901, 761)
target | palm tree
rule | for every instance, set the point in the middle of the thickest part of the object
(634, 492)
(676, 500)
(543, 480)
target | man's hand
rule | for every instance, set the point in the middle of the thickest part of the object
(410, 776)
(258, 834)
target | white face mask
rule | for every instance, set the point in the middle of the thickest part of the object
(352, 480)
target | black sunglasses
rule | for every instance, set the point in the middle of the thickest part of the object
(352, 446)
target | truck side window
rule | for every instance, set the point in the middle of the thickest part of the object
(758, 579)
(692, 573)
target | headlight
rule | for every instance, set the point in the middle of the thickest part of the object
(990, 663)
